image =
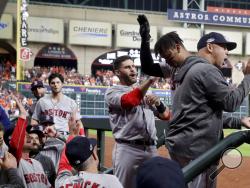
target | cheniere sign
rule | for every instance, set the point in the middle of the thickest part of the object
(208, 18)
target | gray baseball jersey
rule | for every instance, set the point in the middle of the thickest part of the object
(60, 111)
(86, 179)
(53, 148)
(32, 173)
(137, 123)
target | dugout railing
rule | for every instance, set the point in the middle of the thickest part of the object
(191, 170)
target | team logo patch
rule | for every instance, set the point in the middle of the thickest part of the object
(210, 40)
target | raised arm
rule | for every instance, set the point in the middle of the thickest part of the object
(147, 63)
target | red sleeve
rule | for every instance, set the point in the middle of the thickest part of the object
(17, 139)
(131, 99)
(64, 163)
(82, 132)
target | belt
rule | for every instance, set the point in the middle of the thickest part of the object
(137, 142)
(64, 133)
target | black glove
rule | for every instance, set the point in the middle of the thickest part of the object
(144, 28)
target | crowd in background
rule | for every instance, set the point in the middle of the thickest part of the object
(9, 104)
(101, 77)
(7, 69)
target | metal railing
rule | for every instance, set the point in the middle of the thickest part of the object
(211, 156)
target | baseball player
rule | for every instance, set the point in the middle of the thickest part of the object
(54, 142)
(205, 89)
(131, 114)
(38, 91)
(57, 105)
(81, 153)
(8, 172)
(36, 135)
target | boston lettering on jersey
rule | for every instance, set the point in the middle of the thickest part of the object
(56, 112)
(36, 178)
(82, 184)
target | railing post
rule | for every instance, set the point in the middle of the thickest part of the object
(100, 148)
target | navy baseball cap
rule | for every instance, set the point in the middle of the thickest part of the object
(46, 119)
(35, 84)
(79, 149)
(161, 173)
(37, 129)
(215, 38)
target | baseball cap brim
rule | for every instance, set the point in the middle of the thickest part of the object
(230, 45)
(92, 141)
(35, 87)
(37, 130)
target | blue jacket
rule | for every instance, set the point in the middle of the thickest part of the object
(4, 118)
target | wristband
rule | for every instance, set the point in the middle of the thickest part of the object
(161, 108)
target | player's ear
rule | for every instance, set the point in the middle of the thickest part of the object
(95, 156)
(117, 72)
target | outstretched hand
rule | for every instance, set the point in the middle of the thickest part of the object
(246, 122)
(246, 68)
(144, 27)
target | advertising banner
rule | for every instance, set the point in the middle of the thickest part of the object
(208, 18)
(83, 32)
(49, 30)
(128, 36)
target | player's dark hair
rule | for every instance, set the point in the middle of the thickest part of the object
(167, 41)
(83, 166)
(56, 75)
(119, 60)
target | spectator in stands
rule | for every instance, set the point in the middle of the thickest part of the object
(9, 176)
(3, 147)
(38, 91)
(81, 153)
(4, 118)
(36, 139)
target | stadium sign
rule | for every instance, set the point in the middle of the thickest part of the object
(128, 36)
(208, 18)
(228, 10)
(49, 30)
(90, 33)
(189, 41)
(6, 26)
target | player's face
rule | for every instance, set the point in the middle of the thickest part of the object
(56, 85)
(27, 142)
(127, 73)
(34, 140)
(39, 92)
(170, 56)
(219, 54)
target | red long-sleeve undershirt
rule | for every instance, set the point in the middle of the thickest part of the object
(131, 99)
(64, 162)
(17, 139)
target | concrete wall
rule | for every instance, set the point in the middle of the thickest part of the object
(87, 54)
